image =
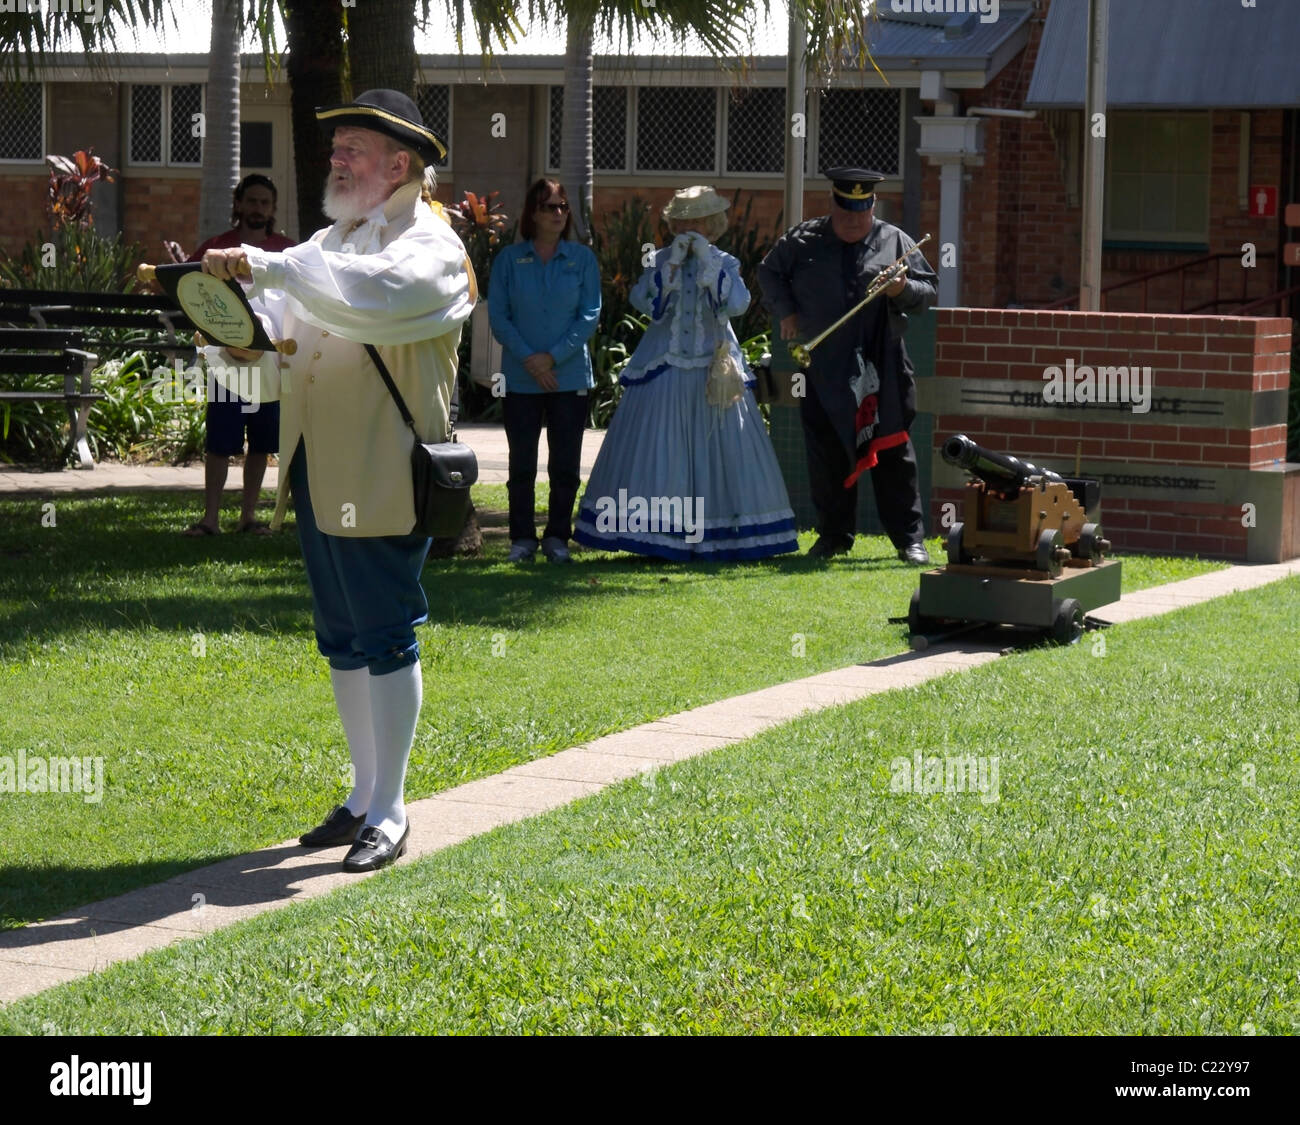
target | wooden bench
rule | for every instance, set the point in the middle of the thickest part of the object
(52, 351)
(54, 332)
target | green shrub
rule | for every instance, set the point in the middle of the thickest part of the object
(83, 261)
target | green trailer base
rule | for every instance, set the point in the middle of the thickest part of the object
(1045, 603)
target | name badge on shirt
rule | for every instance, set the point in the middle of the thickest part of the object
(525, 260)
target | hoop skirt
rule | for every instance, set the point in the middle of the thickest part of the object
(677, 477)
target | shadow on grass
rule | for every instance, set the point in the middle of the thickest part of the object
(175, 893)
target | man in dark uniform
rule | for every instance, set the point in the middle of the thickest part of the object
(860, 397)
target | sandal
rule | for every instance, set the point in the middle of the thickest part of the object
(198, 531)
(252, 527)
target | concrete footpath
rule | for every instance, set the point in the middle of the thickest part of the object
(93, 937)
(487, 441)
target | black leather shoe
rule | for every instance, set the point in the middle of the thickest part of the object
(916, 554)
(374, 850)
(829, 545)
(340, 827)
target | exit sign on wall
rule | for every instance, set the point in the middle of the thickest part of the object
(1263, 201)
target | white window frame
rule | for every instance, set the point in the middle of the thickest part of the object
(629, 130)
(724, 132)
(165, 110)
(718, 127)
(1174, 239)
(445, 169)
(814, 139)
(722, 93)
(38, 161)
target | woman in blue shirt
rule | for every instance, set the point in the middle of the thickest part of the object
(543, 304)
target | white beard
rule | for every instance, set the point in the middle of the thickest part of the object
(352, 200)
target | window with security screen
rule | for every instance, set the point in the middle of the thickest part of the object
(756, 130)
(146, 124)
(434, 103)
(165, 125)
(676, 129)
(860, 128)
(608, 128)
(186, 118)
(21, 121)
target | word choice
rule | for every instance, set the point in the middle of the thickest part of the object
(965, 773)
(652, 515)
(1105, 384)
(37, 774)
(92, 1079)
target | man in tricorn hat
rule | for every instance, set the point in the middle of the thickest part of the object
(390, 272)
(860, 398)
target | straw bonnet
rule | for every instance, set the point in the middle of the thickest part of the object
(695, 203)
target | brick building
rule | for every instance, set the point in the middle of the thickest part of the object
(977, 123)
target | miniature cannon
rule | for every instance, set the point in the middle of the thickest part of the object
(1028, 551)
(1017, 513)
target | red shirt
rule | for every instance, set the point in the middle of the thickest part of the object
(232, 238)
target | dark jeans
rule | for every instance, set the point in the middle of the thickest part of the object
(565, 416)
(894, 480)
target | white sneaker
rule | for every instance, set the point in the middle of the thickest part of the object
(522, 550)
(556, 550)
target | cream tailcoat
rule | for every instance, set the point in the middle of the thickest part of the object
(398, 280)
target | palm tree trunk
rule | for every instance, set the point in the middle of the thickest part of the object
(381, 46)
(220, 171)
(575, 146)
(314, 34)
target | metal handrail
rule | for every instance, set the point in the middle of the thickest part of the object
(1181, 269)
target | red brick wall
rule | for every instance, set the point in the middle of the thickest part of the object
(1241, 353)
(1020, 235)
(23, 213)
(156, 207)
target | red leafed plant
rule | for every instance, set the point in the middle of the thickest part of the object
(70, 184)
(480, 221)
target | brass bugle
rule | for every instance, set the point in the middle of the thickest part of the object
(883, 280)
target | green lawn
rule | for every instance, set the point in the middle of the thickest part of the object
(190, 668)
(1136, 873)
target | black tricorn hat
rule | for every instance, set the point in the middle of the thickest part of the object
(389, 112)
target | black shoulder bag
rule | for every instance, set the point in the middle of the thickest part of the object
(441, 472)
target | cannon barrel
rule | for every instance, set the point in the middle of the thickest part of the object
(1000, 470)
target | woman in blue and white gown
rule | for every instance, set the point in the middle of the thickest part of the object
(687, 470)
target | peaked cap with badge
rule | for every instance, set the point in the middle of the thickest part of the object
(854, 189)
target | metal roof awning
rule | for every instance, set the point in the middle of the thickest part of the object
(1195, 54)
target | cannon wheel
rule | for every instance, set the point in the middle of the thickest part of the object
(1048, 542)
(1067, 625)
(956, 552)
(1086, 547)
(918, 623)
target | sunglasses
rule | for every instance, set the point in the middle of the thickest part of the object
(554, 208)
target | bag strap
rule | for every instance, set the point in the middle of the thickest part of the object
(453, 413)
